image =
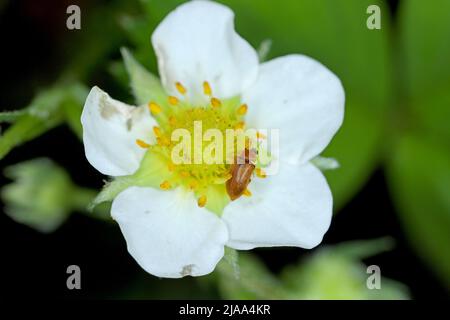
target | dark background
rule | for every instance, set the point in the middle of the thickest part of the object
(34, 47)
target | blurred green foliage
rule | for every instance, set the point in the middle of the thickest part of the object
(42, 195)
(334, 272)
(397, 83)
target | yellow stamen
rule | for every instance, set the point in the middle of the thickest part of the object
(154, 108)
(165, 185)
(247, 193)
(242, 110)
(193, 185)
(239, 125)
(216, 102)
(181, 89)
(173, 100)
(202, 201)
(157, 131)
(184, 174)
(142, 144)
(172, 121)
(163, 141)
(207, 88)
(171, 167)
(260, 173)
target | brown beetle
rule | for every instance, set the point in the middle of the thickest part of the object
(241, 174)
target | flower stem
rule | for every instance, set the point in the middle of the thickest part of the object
(83, 197)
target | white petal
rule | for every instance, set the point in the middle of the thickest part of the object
(110, 130)
(292, 208)
(197, 42)
(301, 98)
(167, 233)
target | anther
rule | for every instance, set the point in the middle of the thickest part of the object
(242, 110)
(202, 201)
(154, 108)
(173, 100)
(260, 173)
(247, 193)
(239, 125)
(172, 121)
(216, 102)
(181, 89)
(207, 88)
(193, 185)
(163, 141)
(157, 131)
(142, 144)
(165, 185)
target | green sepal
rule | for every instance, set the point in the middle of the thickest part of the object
(324, 163)
(151, 173)
(145, 86)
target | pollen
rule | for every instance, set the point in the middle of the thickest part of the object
(215, 102)
(142, 144)
(260, 173)
(181, 89)
(173, 100)
(202, 201)
(207, 88)
(154, 108)
(165, 185)
(242, 110)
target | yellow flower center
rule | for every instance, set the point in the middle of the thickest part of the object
(205, 160)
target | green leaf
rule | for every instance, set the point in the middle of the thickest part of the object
(146, 87)
(356, 148)
(362, 249)
(432, 111)
(254, 282)
(419, 179)
(425, 49)
(425, 40)
(336, 272)
(99, 37)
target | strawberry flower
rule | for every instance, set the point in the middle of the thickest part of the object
(178, 217)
